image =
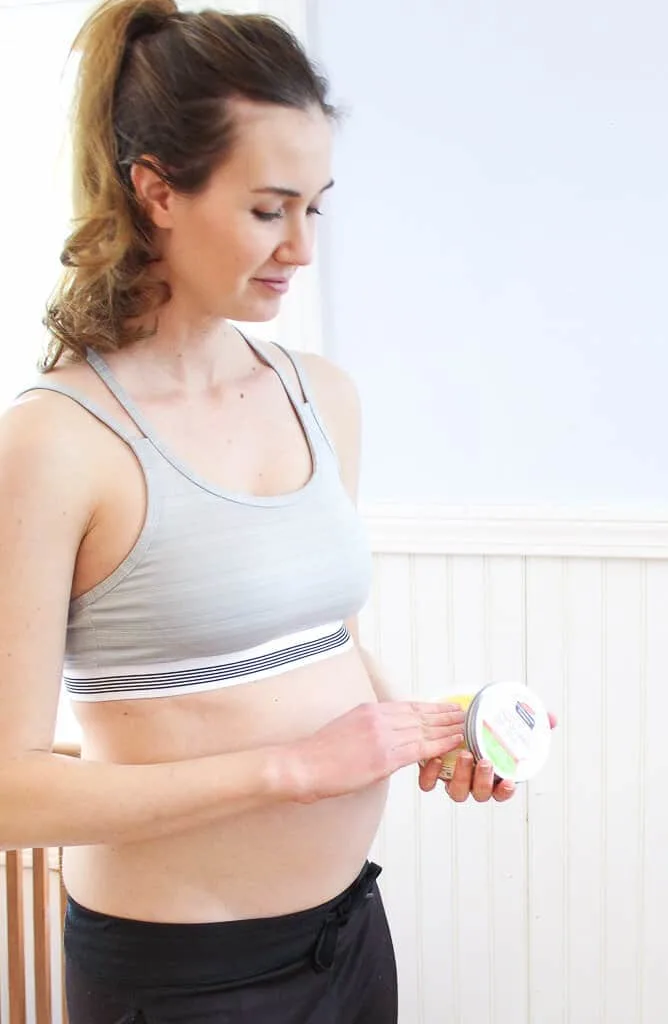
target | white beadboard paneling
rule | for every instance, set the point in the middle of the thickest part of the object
(653, 910)
(581, 737)
(547, 852)
(433, 660)
(552, 908)
(505, 607)
(472, 824)
(623, 719)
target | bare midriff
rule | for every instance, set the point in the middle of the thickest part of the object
(268, 862)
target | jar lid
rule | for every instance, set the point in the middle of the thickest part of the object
(508, 725)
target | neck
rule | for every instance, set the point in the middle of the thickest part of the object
(193, 352)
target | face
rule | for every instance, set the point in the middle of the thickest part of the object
(231, 250)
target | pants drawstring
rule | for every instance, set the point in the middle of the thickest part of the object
(324, 950)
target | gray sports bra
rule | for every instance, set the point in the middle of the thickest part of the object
(219, 588)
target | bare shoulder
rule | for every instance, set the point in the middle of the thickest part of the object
(43, 445)
(335, 394)
(329, 380)
(336, 397)
(61, 421)
(38, 422)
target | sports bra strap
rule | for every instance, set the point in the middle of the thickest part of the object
(307, 391)
(306, 396)
(100, 367)
(300, 372)
(85, 403)
(262, 351)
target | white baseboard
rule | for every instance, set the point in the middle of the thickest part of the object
(524, 530)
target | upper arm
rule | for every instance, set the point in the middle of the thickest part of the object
(339, 406)
(44, 511)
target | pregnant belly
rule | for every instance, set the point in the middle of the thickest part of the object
(273, 861)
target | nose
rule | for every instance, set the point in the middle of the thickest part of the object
(296, 248)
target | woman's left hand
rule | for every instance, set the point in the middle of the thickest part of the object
(469, 779)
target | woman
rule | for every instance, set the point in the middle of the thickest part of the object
(181, 536)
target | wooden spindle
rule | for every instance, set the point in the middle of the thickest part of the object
(41, 935)
(16, 937)
(63, 909)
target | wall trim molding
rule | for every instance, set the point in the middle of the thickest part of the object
(538, 531)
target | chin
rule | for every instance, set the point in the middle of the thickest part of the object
(253, 312)
(257, 317)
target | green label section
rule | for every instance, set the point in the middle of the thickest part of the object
(501, 759)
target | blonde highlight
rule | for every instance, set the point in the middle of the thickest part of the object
(106, 280)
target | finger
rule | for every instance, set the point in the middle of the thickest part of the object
(427, 714)
(459, 786)
(429, 773)
(440, 731)
(409, 747)
(419, 734)
(435, 726)
(504, 791)
(427, 750)
(482, 786)
(422, 708)
(403, 717)
(554, 721)
(432, 719)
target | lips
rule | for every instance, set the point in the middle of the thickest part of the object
(279, 285)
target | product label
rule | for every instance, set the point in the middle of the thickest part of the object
(526, 713)
(497, 752)
(511, 729)
(507, 733)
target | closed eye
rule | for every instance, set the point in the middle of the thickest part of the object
(270, 215)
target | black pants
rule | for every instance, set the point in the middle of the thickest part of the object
(333, 964)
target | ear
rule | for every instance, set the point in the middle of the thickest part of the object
(153, 193)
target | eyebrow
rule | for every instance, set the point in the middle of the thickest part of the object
(288, 193)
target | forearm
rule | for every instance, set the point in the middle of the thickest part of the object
(49, 800)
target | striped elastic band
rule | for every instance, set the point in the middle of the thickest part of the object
(201, 674)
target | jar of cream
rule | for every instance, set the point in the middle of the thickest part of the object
(507, 725)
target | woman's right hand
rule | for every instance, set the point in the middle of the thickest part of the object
(369, 743)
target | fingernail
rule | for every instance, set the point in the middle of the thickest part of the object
(485, 766)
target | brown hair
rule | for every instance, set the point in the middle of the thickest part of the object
(152, 85)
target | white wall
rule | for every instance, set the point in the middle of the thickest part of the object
(496, 255)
